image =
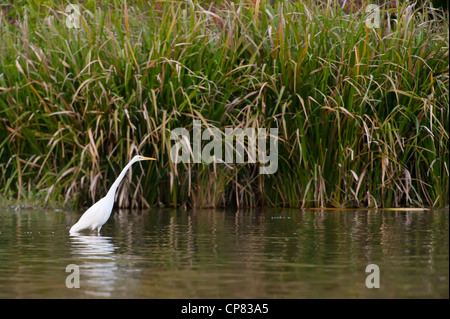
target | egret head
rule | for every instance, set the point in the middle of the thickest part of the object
(138, 158)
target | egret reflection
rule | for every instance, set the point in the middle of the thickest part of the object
(98, 267)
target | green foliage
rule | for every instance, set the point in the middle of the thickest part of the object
(362, 113)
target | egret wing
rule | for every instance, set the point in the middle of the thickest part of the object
(91, 218)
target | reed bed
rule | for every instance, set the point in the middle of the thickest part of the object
(362, 113)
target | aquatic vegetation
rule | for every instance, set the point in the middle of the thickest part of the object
(362, 112)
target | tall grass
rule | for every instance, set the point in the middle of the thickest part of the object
(362, 113)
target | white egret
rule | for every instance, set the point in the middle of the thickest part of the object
(99, 213)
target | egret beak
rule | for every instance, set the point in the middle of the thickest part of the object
(148, 158)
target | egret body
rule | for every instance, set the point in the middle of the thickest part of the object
(99, 213)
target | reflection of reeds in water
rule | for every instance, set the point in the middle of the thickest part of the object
(183, 234)
(362, 113)
(252, 252)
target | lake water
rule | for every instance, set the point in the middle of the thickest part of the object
(226, 254)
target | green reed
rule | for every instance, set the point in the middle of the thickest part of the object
(362, 113)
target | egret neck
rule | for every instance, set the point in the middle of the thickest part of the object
(115, 185)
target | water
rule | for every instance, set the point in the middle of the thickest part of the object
(227, 254)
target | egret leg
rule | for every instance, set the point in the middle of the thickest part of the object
(98, 230)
